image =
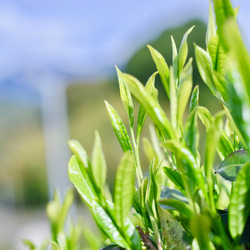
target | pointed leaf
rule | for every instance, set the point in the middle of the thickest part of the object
(106, 224)
(183, 50)
(124, 188)
(119, 128)
(239, 207)
(98, 163)
(80, 179)
(211, 28)
(173, 99)
(151, 106)
(126, 97)
(162, 67)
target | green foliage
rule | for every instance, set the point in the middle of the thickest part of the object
(177, 205)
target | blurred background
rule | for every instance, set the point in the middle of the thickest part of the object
(57, 66)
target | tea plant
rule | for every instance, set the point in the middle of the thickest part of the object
(182, 202)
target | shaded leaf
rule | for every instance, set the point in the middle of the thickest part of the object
(231, 165)
(239, 207)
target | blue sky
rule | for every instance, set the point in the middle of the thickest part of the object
(85, 39)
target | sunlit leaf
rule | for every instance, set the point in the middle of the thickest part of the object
(119, 128)
(106, 224)
(211, 28)
(98, 163)
(80, 179)
(126, 97)
(124, 188)
(162, 67)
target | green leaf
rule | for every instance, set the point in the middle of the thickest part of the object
(80, 179)
(173, 99)
(78, 150)
(212, 139)
(171, 231)
(119, 128)
(211, 28)
(174, 58)
(191, 133)
(99, 167)
(174, 175)
(124, 188)
(150, 87)
(162, 67)
(184, 90)
(183, 50)
(239, 207)
(200, 227)
(232, 164)
(106, 224)
(126, 97)
(151, 106)
(29, 244)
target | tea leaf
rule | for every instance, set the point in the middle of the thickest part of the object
(126, 97)
(162, 67)
(174, 59)
(119, 128)
(232, 164)
(174, 175)
(150, 87)
(200, 227)
(124, 188)
(78, 150)
(80, 179)
(98, 163)
(183, 50)
(106, 224)
(184, 90)
(173, 99)
(191, 133)
(211, 28)
(239, 207)
(151, 106)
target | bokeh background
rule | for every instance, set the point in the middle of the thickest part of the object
(57, 66)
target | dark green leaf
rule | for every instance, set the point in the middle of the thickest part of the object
(231, 165)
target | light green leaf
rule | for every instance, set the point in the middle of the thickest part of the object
(150, 87)
(29, 244)
(184, 90)
(191, 132)
(78, 150)
(99, 167)
(173, 99)
(80, 179)
(126, 97)
(124, 188)
(151, 106)
(174, 58)
(239, 207)
(162, 67)
(211, 28)
(212, 139)
(119, 128)
(106, 224)
(183, 50)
